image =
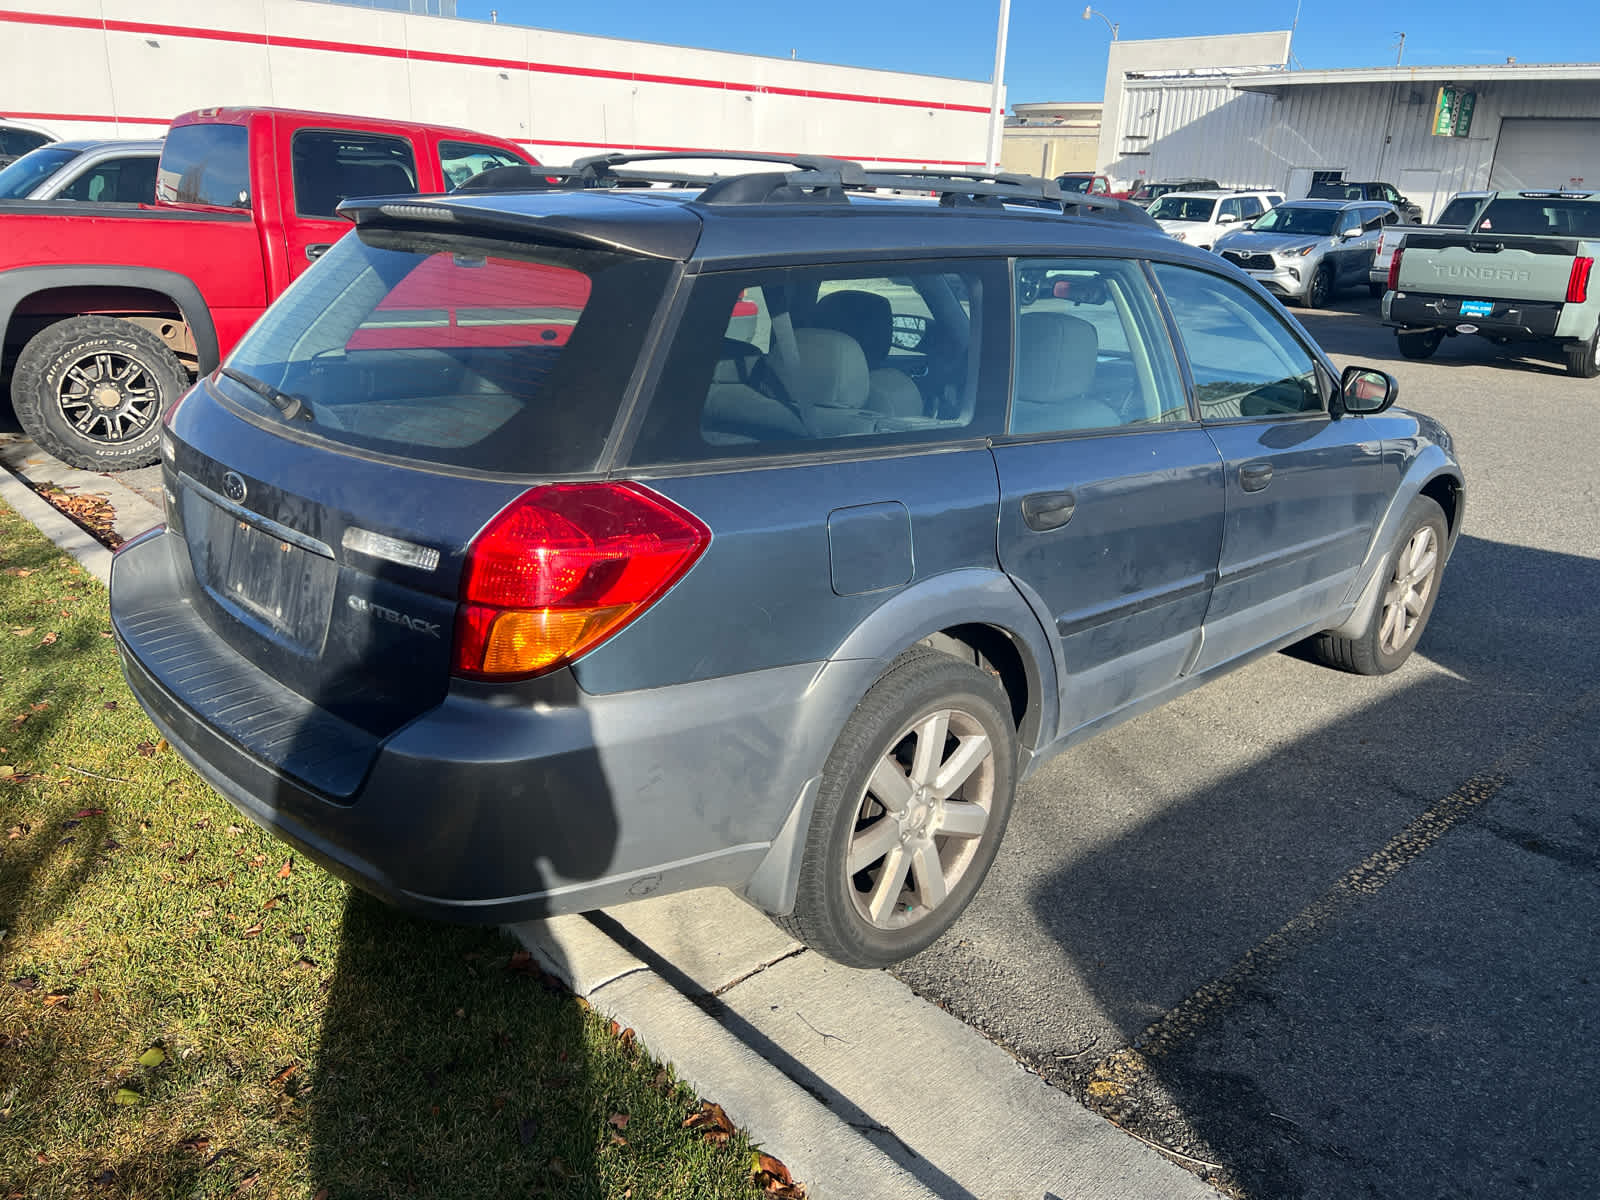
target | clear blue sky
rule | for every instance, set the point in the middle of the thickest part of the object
(1053, 53)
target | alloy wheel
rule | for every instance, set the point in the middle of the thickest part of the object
(1406, 598)
(920, 818)
(109, 397)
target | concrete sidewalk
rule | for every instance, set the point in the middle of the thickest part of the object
(860, 1086)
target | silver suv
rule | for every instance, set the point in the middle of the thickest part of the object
(1306, 250)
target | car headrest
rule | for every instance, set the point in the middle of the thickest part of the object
(865, 316)
(1056, 356)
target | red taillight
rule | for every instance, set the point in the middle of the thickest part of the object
(562, 568)
(1578, 281)
(1394, 269)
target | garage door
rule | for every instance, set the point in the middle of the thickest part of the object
(1547, 153)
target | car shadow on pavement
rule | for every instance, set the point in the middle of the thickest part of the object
(1349, 968)
(1353, 329)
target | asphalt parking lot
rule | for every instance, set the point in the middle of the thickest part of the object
(1333, 935)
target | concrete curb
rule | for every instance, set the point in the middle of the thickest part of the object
(56, 526)
(861, 1087)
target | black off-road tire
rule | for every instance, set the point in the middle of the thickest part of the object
(1366, 653)
(1583, 358)
(826, 916)
(1320, 290)
(1418, 344)
(97, 356)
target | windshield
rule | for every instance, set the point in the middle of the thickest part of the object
(32, 169)
(452, 350)
(1286, 218)
(1183, 208)
(1459, 211)
(1537, 215)
(1075, 183)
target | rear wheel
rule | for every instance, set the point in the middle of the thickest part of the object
(91, 391)
(1321, 287)
(1411, 586)
(1419, 344)
(910, 812)
(1583, 358)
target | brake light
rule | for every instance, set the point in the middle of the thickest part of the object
(562, 568)
(1578, 281)
(1394, 269)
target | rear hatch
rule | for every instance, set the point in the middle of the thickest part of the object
(328, 481)
(1522, 248)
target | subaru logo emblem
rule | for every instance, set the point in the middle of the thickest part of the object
(233, 487)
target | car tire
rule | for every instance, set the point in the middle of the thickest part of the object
(1411, 573)
(1418, 344)
(1320, 290)
(1583, 358)
(884, 909)
(92, 390)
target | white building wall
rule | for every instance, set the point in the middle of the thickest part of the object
(1172, 129)
(138, 63)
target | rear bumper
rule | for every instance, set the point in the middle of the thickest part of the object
(489, 808)
(1519, 320)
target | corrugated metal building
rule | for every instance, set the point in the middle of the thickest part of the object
(1531, 126)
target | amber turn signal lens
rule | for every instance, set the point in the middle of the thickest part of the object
(521, 643)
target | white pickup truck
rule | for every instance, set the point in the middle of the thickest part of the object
(1457, 214)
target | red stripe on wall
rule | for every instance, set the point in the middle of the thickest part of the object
(261, 39)
(102, 118)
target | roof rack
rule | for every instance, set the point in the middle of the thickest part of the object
(811, 179)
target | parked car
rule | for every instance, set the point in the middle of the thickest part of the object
(19, 137)
(1308, 250)
(114, 172)
(1344, 189)
(501, 580)
(110, 309)
(1519, 274)
(1457, 214)
(1199, 218)
(1087, 183)
(1147, 194)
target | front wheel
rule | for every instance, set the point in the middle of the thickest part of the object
(1410, 589)
(1321, 287)
(909, 814)
(1419, 344)
(1583, 358)
(91, 391)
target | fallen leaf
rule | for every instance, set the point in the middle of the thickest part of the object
(41, 1157)
(234, 831)
(19, 572)
(110, 705)
(617, 1120)
(248, 1182)
(254, 930)
(189, 857)
(287, 869)
(199, 1143)
(711, 1122)
(627, 1039)
(88, 812)
(145, 749)
(41, 706)
(161, 744)
(270, 905)
(58, 1000)
(767, 1165)
(49, 639)
(258, 860)
(125, 1096)
(285, 1073)
(17, 831)
(153, 1057)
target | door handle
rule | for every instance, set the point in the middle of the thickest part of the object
(1044, 511)
(316, 251)
(1255, 476)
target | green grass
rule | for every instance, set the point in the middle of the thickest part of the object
(310, 1038)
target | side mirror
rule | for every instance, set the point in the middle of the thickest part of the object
(1352, 233)
(1364, 391)
(1227, 219)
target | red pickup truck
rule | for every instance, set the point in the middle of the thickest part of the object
(107, 312)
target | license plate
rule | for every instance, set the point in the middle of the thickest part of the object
(1477, 308)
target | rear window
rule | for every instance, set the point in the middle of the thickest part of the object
(205, 164)
(485, 355)
(1459, 211)
(1540, 215)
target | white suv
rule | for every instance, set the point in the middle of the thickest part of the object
(1200, 218)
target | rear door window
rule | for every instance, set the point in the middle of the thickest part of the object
(789, 361)
(115, 180)
(333, 166)
(460, 161)
(493, 356)
(205, 164)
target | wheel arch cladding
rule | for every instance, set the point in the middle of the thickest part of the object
(1433, 476)
(26, 283)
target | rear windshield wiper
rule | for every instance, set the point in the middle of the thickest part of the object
(290, 405)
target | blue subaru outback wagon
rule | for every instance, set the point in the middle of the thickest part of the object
(588, 534)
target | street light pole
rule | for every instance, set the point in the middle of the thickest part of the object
(1094, 12)
(996, 84)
